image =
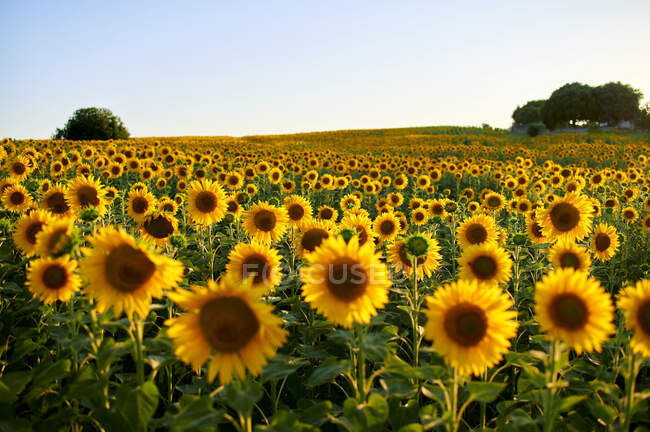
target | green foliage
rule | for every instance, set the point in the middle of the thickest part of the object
(534, 129)
(93, 124)
(529, 113)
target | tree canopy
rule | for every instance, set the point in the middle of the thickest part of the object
(575, 103)
(93, 124)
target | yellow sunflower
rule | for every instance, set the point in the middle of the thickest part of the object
(488, 263)
(470, 325)
(125, 275)
(604, 242)
(566, 253)
(265, 222)
(27, 227)
(345, 282)
(298, 209)
(574, 308)
(386, 226)
(312, 234)
(19, 168)
(361, 223)
(17, 199)
(567, 218)
(476, 230)
(159, 227)
(327, 213)
(55, 237)
(427, 263)
(629, 214)
(139, 204)
(83, 192)
(206, 202)
(257, 261)
(494, 201)
(534, 230)
(226, 324)
(635, 304)
(52, 279)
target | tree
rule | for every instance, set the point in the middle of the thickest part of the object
(92, 124)
(617, 102)
(643, 118)
(570, 104)
(529, 113)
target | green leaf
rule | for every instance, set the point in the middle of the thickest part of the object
(316, 414)
(566, 403)
(285, 421)
(413, 427)
(483, 391)
(12, 383)
(327, 371)
(281, 366)
(45, 375)
(370, 416)
(137, 404)
(195, 413)
(242, 396)
(375, 345)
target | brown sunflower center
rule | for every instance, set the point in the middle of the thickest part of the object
(228, 324)
(17, 198)
(55, 277)
(404, 258)
(233, 180)
(568, 311)
(466, 324)
(139, 205)
(419, 216)
(19, 168)
(58, 240)
(476, 233)
(32, 230)
(232, 206)
(387, 227)
(536, 230)
(313, 238)
(494, 202)
(437, 209)
(643, 317)
(87, 196)
(564, 217)
(347, 279)
(167, 207)
(326, 213)
(128, 268)
(206, 201)
(255, 265)
(264, 220)
(602, 242)
(569, 259)
(159, 227)
(628, 214)
(484, 267)
(296, 212)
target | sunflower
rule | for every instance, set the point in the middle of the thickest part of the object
(629, 214)
(19, 168)
(361, 223)
(566, 253)
(167, 205)
(327, 213)
(427, 263)
(349, 202)
(476, 230)
(52, 279)
(604, 243)
(345, 282)
(574, 308)
(312, 234)
(419, 216)
(226, 324)
(83, 192)
(298, 209)
(159, 227)
(646, 223)
(234, 181)
(233, 206)
(17, 199)
(265, 222)
(139, 203)
(27, 227)
(257, 261)
(437, 208)
(566, 218)
(206, 202)
(635, 304)
(494, 201)
(55, 238)
(488, 263)
(470, 325)
(386, 226)
(125, 275)
(533, 229)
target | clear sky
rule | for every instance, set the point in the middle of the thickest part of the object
(239, 68)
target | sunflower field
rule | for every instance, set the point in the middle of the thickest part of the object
(407, 280)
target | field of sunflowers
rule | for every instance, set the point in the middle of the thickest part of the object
(408, 280)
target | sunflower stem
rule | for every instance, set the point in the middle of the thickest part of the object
(454, 401)
(483, 404)
(361, 364)
(629, 390)
(549, 414)
(138, 323)
(415, 310)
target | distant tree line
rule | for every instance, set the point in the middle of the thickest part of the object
(578, 104)
(92, 124)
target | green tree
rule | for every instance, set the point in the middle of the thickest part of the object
(570, 104)
(617, 102)
(92, 124)
(529, 113)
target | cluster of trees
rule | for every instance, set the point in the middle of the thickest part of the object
(576, 103)
(92, 124)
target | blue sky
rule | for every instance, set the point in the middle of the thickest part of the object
(239, 68)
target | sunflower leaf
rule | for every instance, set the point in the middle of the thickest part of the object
(483, 391)
(327, 371)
